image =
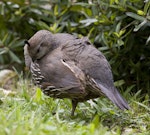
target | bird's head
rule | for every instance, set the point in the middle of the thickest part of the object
(40, 44)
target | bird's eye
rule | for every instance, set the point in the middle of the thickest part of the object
(38, 50)
(42, 44)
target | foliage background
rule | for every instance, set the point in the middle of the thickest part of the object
(119, 28)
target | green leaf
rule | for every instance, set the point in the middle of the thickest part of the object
(135, 16)
(121, 32)
(140, 12)
(147, 7)
(87, 22)
(3, 51)
(42, 25)
(14, 57)
(95, 121)
(116, 34)
(38, 95)
(119, 83)
(148, 41)
(142, 105)
(140, 25)
(5, 38)
(120, 42)
(118, 27)
(56, 10)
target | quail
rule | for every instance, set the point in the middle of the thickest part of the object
(65, 66)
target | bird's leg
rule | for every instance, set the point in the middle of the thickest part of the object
(74, 105)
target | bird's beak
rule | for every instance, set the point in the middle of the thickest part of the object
(26, 42)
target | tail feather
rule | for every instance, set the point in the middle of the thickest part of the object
(115, 97)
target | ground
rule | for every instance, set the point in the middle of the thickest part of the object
(25, 110)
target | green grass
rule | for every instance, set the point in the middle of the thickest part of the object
(26, 111)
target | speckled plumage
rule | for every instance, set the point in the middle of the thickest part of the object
(65, 66)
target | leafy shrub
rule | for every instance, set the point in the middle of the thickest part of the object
(120, 29)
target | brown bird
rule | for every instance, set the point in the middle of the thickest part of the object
(65, 66)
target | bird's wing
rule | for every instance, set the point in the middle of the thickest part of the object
(94, 65)
(64, 75)
(97, 68)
